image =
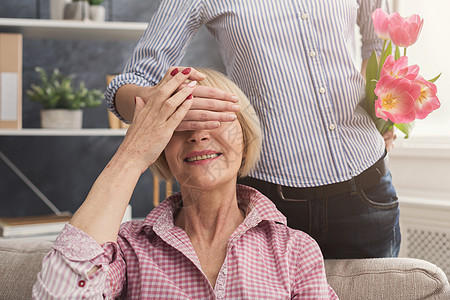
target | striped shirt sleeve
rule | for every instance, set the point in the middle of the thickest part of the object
(162, 45)
(65, 268)
(370, 41)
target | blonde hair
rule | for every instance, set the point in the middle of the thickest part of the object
(251, 129)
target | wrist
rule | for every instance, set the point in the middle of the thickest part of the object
(128, 161)
(124, 165)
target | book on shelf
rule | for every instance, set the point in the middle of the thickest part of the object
(11, 80)
(47, 225)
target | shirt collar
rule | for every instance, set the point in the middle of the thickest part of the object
(257, 207)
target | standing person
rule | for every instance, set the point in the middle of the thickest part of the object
(213, 240)
(323, 162)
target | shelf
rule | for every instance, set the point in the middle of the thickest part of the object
(63, 132)
(74, 30)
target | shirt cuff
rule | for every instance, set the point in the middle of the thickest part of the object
(116, 83)
(77, 246)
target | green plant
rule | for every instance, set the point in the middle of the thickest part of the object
(56, 91)
(95, 2)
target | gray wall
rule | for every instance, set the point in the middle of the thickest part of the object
(64, 168)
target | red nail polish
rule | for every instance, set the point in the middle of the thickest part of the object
(189, 97)
(186, 71)
(174, 72)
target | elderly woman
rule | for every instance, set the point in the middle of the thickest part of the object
(213, 240)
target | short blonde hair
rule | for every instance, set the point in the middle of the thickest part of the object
(251, 129)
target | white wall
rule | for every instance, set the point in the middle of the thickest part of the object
(431, 53)
(421, 165)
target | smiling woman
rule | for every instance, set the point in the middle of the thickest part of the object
(213, 240)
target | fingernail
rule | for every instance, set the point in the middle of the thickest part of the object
(174, 72)
(186, 71)
(235, 107)
(192, 84)
(189, 97)
(231, 117)
(234, 98)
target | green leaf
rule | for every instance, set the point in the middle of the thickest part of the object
(435, 78)
(372, 75)
(405, 128)
(383, 125)
(384, 55)
(56, 91)
(397, 52)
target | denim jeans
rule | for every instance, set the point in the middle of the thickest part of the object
(364, 224)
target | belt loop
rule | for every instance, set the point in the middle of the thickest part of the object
(352, 186)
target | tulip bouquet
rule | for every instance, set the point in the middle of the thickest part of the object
(396, 94)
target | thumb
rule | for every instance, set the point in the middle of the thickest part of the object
(139, 106)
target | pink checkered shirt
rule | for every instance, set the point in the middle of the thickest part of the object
(153, 259)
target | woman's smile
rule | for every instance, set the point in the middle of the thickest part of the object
(201, 157)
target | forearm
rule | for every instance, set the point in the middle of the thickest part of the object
(124, 99)
(153, 125)
(101, 213)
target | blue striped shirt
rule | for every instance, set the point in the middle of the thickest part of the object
(295, 60)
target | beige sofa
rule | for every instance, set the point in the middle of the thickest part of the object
(362, 279)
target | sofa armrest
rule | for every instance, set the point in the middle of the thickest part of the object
(387, 278)
(20, 261)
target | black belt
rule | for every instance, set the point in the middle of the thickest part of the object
(366, 179)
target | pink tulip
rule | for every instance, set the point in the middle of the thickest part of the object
(427, 100)
(396, 99)
(399, 68)
(381, 24)
(404, 31)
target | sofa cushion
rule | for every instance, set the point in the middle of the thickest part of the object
(387, 278)
(362, 279)
(20, 261)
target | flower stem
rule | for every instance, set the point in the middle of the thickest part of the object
(404, 51)
(383, 126)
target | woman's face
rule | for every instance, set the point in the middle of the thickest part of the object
(206, 159)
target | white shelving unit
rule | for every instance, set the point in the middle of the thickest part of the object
(71, 30)
(65, 30)
(74, 30)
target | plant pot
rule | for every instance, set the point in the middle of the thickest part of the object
(76, 10)
(62, 118)
(97, 13)
(57, 9)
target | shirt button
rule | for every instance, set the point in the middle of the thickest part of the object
(312, 53)
(322, 90)
(81, 283)
(304, 16)
(332, 127)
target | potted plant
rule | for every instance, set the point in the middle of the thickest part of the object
(57, 9)
(76, 10)
(96, 11)
(61, 102)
